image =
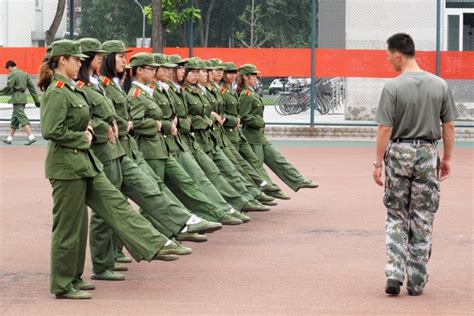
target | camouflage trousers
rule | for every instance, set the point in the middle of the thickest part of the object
(412, 198)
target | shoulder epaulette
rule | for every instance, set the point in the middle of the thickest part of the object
(80, 84)
(152, 85)
(60, 84)
(136, 92)
(223, 89)
(105, 80)
(247, 92)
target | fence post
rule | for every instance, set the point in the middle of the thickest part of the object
(190, 33)
(313, 60)
(71, 19)
(438, 36)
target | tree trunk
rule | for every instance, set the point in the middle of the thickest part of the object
(207, 22)
(157, 27)
(53, 29)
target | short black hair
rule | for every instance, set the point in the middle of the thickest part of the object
(402, 43)
(9, 64)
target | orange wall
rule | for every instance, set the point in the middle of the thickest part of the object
(283, 62)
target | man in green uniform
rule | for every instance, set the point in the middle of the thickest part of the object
(410, 110)
(17, 84)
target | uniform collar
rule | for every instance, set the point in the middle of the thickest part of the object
(70, 83)
(145, 88)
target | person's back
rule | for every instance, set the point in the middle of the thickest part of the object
(411, 109)
(420, 100)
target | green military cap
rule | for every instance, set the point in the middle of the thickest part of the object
(248, 69)
(66, 47)
(230, 66)
(176, 59)
(161, 60)
(192, 63)
(209, 65)
(89, 44)
(114, 46)
(218, 63)
(142, 59)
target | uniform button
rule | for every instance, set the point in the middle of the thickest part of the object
(75, 151)
(231, 129)
(164, 136)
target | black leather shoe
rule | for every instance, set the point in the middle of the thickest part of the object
(392, 287)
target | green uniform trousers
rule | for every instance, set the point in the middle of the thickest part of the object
(254, 175)
(166, 216)
(191, 166)
(220, 182)
(181, 184)
(228, 169)
(70, 198)
(278, 164)
(247, 153)
(19, 117)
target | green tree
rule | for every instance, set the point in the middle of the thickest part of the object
(174, 14)
(112, 19)
(254, 34)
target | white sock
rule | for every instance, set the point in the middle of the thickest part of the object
(184, 230)
(264, 183)
(9, 138)
(31, 136)
(193, 220)
(232, 210)
(169, 242)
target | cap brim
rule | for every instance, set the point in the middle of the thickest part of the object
(169, 65)
(81, 56)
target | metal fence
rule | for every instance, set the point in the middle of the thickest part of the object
(322, 60)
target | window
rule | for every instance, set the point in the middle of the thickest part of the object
(459, 27)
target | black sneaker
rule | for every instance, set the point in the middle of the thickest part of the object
(392, 287)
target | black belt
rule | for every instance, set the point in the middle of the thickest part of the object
(414, 141)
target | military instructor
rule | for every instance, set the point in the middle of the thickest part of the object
(415, 110)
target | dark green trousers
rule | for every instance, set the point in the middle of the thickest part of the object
(269, 155)
(181, 184)
(70, 198)
(19, 118)
(222, 184)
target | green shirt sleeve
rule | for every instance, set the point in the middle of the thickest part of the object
(53, 122)
(247, 116)
(32, 90)
(386, 108)
(448, 109)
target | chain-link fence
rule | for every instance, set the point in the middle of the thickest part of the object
(277, 36)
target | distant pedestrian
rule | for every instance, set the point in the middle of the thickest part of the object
(411, 109)
(17, 83)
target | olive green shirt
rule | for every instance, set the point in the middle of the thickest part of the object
(145, 113)
(103, 117)
(231, 113)
(65, 115)
(414, 104)
(199, 112)
(217, 105)
(251, 115)
(17, 84)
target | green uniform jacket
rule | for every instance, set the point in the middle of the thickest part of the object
(199, 112)
(217, 105)
(145, 114)
(231, 113)
(251, 114)
(65, 115)
(103, 116)
(166, 103)
(122, 111)
(17, 84)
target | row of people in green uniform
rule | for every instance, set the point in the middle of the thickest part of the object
(170, 134)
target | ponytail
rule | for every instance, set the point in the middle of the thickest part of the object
(240, 83)
(46, 73)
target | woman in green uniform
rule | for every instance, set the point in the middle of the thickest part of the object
(201, 125)
(233, 130)
(177, 148)
(168, 217)
(147, 128)
(112, 71)
(77, 180)
(253, 126)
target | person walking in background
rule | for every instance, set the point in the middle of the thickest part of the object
(409, 113)
(17, 84)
